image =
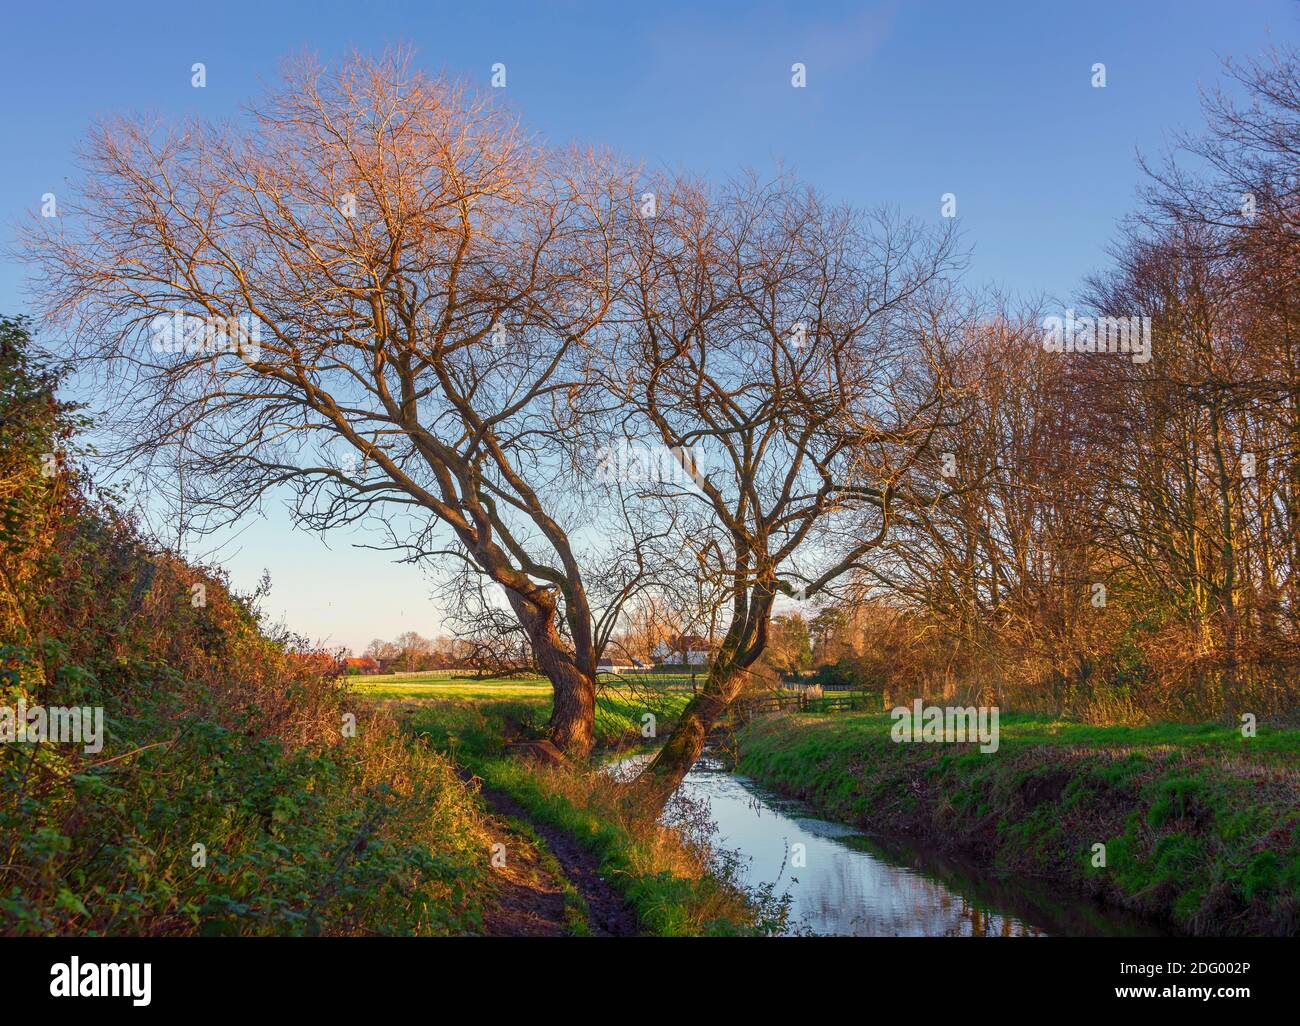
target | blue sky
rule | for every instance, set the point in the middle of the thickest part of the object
(905, 101)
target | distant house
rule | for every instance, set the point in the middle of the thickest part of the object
(360, 664)
(686, 649)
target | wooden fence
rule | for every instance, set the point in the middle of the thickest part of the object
(845, 701)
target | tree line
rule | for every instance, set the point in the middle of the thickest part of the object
(412, 652)
(1124, 533)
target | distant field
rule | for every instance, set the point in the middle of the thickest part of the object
(410, 685)
(455, 684)
(620, 706)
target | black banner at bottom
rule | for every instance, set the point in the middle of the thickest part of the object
(149, 976)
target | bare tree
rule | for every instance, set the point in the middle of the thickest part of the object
(659, 618)
(376, 292)
(379, 650)
(781, 346)
(412, 648)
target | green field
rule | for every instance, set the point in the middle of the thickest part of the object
(455, 684)
(424, 685)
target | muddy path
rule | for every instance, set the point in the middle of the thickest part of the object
(531, 901)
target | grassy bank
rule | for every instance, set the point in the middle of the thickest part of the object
(1201, 827)
(666, 874)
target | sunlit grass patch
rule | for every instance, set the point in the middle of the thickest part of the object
(418, 686)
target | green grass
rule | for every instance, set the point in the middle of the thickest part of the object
(667, 903)
(1019, 729)
(477, 692)
(1201, 826)
(456, 685)
(469, 727)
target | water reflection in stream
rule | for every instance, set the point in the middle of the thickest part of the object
(852, 885)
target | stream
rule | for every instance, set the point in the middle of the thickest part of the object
(843, 883)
